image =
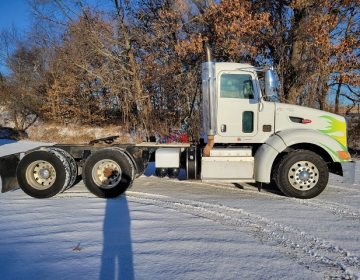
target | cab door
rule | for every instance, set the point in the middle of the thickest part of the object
(237, 104)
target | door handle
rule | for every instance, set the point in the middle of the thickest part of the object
(223, 128)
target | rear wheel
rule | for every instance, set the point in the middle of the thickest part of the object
(71, 163)
(42, 174)
(108, 173)
(301, 174)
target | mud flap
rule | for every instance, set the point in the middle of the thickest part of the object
(8, 166)
(348, 169)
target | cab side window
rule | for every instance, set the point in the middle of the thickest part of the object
(236, 86)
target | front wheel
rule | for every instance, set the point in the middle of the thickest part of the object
(301, 174)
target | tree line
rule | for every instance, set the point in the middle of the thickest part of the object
(137, 63)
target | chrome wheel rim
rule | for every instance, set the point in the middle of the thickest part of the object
(303, 175)
(106, 174)
(40, 174)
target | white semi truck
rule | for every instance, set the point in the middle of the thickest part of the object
(245, 139)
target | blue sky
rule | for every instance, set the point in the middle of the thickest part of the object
(15, 12)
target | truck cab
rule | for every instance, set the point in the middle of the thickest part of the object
(238, 110)
(251, 139)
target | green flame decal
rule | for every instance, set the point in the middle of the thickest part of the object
(336, 129)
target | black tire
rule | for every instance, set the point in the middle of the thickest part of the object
(73, 170)
(292, 183)
(123, 181)
(29, 184)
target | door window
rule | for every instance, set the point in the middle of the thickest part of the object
(236, 86)
(248, 122)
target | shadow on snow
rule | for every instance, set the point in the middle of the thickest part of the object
(117, 258)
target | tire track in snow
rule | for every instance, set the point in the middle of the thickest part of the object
(311, 251)
(283, 235)
(336, 209)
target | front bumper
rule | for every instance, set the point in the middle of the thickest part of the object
(348, 169)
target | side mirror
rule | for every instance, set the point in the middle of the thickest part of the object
(271, 83)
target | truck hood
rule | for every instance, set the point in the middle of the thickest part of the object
(289, 116)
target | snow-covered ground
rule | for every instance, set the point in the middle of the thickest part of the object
(8, 147)
(173, 229)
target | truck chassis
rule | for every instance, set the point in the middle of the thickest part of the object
(108, 170)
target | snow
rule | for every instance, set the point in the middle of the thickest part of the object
(177, 229)
(8, 147)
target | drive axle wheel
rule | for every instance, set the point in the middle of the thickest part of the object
(302, 174)
(108, 172)
(72, 169)
(42, 174)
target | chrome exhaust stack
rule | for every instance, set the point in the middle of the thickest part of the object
(208, 100)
